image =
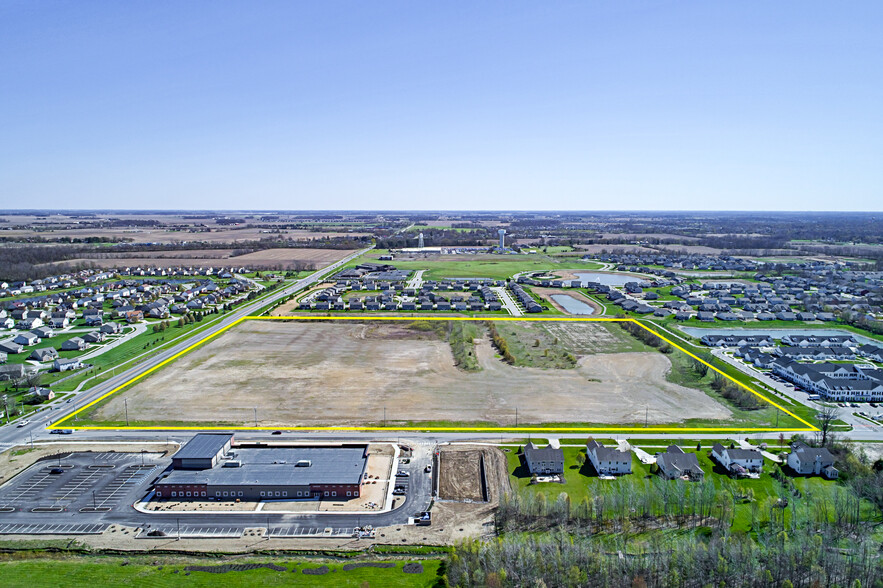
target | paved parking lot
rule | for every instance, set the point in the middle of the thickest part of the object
(191, 532)
(298, 531)
(89, 482)
(50, 529)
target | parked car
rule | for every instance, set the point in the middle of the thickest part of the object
(403, 474)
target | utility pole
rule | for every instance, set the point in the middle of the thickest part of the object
(384, 416)
(255, 416)
(516, 416)
(646, 416)
(126, 404)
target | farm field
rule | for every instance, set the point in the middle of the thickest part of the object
(350, 374)
(267, 258)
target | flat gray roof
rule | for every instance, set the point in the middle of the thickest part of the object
(203, 446)
(276, 467)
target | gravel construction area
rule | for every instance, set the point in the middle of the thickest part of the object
(336, 373)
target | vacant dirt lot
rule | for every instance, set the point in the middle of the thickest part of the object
(459, 475)
(346, 374)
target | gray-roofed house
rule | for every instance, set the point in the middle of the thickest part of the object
(675, 463)
(544, 460)
(44, 354)
(738, 460)
(63, 364)
(14, 371)
(11, 347)
(74, 344)
(608, 460)
(808, 461)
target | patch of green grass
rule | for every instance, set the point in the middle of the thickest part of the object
(141, 571)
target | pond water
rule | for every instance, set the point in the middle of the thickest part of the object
(606, 278)
(572, 305)
(777, 333)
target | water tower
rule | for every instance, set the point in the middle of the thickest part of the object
(502, 233)
(420, 241)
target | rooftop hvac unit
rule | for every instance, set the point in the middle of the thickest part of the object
(233, 463)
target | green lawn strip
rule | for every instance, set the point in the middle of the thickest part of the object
(581, 482)
(141, 571)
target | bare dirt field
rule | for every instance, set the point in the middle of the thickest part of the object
(310, 374)
(459, 475)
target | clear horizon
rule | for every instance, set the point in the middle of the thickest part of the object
(625, 106)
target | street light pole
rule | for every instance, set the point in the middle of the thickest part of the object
(126, 404)
(255, 416)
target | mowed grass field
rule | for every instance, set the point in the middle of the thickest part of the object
(347, 373)
(72, 571)
(496, 267)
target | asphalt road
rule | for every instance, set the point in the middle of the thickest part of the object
(14, 434)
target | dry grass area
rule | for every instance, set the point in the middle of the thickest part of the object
(283, 256)
(334, 373)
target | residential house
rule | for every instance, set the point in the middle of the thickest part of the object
(64, 364)
(93, 337)
(11, 347)
(544, 460)
(74, 344)
(44, 354)
(26, 339)
(607, 460)
(111, 328)
(811, 461)
(675, 463)
(736, 460)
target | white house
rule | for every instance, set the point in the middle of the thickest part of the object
(807, 460)
(736, 459)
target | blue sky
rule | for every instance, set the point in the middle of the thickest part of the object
(441, 105)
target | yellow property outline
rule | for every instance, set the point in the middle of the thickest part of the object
(58, 425)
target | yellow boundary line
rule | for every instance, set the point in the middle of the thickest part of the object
(612, 429)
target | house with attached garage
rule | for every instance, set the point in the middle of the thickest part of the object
(737, 460)
(812, 461)
(11, 347)
(44, 354)
(64, 364)
(544, 460)
(111, 328)
(93, 337)
(26, 339)
(607, 460)
(74, 344)
(676, 463)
